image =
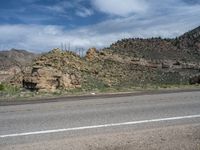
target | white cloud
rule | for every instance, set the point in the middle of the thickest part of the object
(65, 9)
(60, 7)
(121, 7)
(84, 12)
(174, 21)
(44, 38)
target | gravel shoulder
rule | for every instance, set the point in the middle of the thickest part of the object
(35, 100)
(182, 137)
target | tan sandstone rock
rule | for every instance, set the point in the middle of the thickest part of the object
(48, 79)
(91, 54)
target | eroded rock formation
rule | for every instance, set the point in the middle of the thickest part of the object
(49, 79)
(49, 73)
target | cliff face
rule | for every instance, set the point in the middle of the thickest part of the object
(126, 63)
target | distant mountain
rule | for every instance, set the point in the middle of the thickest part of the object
(12, 62)
(15, 57)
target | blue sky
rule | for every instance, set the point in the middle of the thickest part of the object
(40, 25)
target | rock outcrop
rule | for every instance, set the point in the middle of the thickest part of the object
(49, 79)
(53, 71)
(91, 54)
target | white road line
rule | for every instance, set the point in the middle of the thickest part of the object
(99, 126)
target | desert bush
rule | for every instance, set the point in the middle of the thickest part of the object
(9, 89)
(1, 87)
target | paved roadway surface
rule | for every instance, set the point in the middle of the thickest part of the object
(57, 125)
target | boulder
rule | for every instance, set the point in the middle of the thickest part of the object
(48, 79)
(91, 54)
(194, 79)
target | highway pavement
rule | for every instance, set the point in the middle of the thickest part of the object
(55, 121)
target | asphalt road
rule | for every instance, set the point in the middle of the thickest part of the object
(45, 122)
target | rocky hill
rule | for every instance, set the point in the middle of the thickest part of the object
(126, 63)
(15, 57)
(12, 61)
(190, 43)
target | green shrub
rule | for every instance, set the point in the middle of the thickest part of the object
(1, 87)
(92, 84)
(9, 89)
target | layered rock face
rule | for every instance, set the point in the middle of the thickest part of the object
(47, 79)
